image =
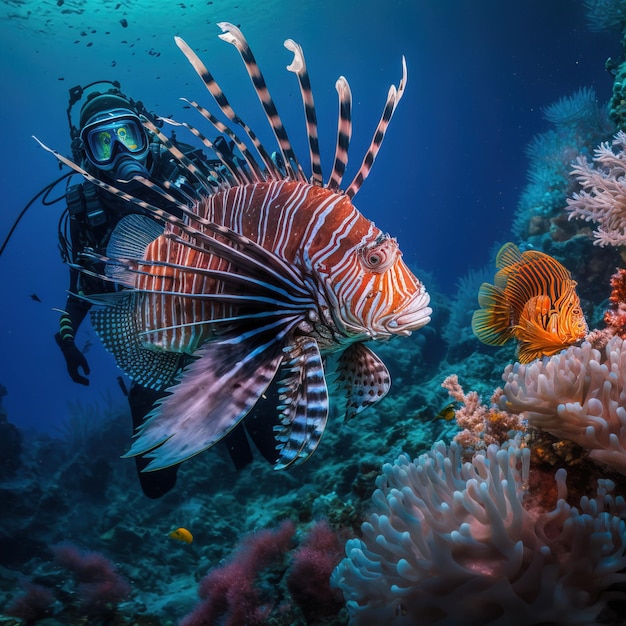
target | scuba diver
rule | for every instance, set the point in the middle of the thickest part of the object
(111, 143)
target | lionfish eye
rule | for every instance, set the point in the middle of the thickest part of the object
(381, 255)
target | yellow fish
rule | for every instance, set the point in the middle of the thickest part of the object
(534, 301)
(181, 534)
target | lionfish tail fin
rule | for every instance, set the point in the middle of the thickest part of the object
(393, 98)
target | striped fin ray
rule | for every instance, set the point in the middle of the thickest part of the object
(304, 403)
(364, 376)
(298, 66)
(235, 37)
(156, 211)
(344, 133)
(214, 394)
(193, 169)
(393, 97)
(117, 328)
(258, 176)
(251, 259)
(238, 175)
(220, 98)
(245, 253)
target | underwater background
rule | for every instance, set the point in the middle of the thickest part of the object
(453, 182)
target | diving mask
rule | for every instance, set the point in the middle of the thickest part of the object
(117, 133)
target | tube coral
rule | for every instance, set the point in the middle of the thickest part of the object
(452, 543)
(578, 395)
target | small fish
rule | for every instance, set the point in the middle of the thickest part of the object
(534, 301)
(181, 534)
(35, 297)
(447, 413)
(269, 274)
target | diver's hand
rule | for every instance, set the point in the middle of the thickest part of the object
(74, 359)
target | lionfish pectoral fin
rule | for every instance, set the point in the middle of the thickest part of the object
(114, 322)
(214, 394)
(364, 377)
(129, 240)
(304, 403)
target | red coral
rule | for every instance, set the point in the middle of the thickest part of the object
(100, 586)
(308, 579)
(615, 317)
(230, 595)
(33, 604)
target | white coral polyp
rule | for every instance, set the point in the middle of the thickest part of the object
(579, 394)
(451, 543)
(603, 196)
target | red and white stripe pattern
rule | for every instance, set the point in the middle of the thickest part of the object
(356, 269)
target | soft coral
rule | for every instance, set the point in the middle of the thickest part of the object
(230, 594)
(100, 586)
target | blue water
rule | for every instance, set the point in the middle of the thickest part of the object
(446, 182)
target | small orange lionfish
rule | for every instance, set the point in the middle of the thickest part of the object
(266, 274)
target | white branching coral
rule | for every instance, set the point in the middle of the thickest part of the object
(603, 197)
(579, 394)
(452, 543)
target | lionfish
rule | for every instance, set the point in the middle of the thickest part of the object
(266, 276)
(534, 300)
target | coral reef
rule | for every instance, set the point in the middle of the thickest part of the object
(615, 315)
(480, 425)
(602, 199)
(455, 543)
(308, 578)
(230, 595)
(579, 395)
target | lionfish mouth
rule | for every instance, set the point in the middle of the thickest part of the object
(413, 315)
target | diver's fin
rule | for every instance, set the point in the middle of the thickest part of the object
(492, 322)
(364, 377)
(116, 326)
(304, 403)
(215, 392)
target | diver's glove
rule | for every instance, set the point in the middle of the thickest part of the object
(74, 359)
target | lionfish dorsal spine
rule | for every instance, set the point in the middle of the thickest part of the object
(344, 134)
(190, 167)
(393, 97)
(158, 213)
(235, 37)
(256, 174)
(222, 102)
(298, 67)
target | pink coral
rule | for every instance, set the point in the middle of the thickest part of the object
(100, 587)
(481, 425)
(308, 579)
(579, 394)
(230, 595)
(457, 543)
(603, 196)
